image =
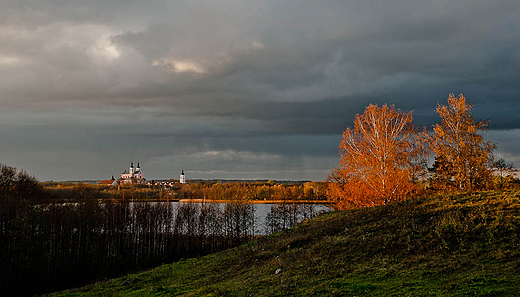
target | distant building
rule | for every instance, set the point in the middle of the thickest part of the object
(108, 182)
(133, 175)
(182, 178)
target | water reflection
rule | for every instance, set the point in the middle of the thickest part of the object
(267, 218)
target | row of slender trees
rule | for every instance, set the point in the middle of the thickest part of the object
(287, 215)
(383, 158)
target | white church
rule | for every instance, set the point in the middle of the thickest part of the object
(134, 175)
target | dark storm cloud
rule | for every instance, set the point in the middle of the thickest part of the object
(255, 83)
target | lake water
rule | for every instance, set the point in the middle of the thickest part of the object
(302, 212)
(281, 212)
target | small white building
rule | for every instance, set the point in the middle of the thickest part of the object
(133, 175)
(182, 177)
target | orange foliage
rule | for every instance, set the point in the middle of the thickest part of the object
(459, 144)
(379, 159)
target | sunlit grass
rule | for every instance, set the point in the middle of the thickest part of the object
(458, 245)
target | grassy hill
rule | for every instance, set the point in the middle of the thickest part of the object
(461, 245)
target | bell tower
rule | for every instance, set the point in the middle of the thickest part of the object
(182, 178)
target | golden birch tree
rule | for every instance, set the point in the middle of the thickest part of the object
(379, 159)
(458, 141)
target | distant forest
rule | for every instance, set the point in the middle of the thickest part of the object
(212, 190)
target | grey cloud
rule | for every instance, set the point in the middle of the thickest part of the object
(240, 78)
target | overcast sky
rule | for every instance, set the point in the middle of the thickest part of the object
(239, 89)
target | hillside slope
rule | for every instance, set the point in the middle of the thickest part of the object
(457, 245)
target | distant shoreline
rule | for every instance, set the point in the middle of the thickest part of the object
(255, 201)
(199, 200)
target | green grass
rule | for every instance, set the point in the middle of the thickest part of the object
(459, 245)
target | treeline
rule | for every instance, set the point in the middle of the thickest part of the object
(308, 191)
(70, 191)
(248, 191)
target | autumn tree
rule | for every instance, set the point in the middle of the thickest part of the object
(459, 143)
(379, 159)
